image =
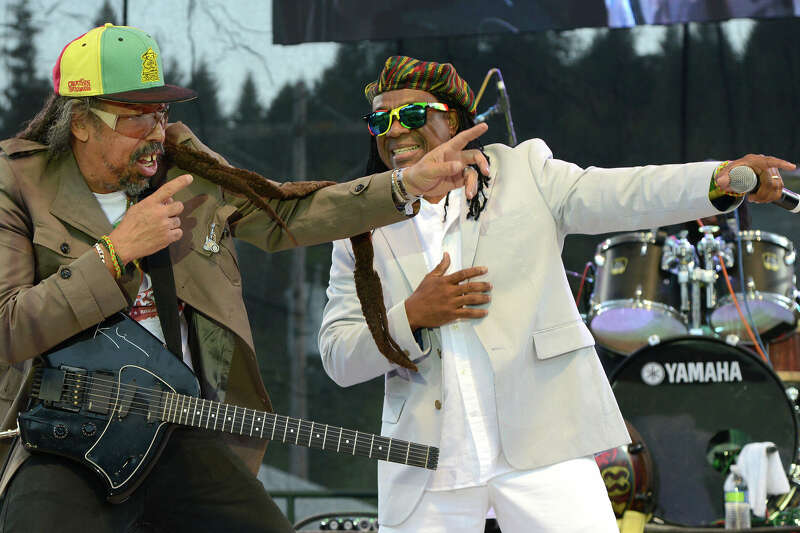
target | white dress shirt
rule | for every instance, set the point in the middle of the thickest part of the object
(469, 453)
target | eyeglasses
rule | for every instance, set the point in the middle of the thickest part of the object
(135, 126)
(410, 116)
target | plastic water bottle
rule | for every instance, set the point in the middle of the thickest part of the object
(737, 504)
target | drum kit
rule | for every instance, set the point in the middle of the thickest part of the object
(666, 317)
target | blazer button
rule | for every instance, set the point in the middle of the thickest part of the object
(359, 187)
(66, 273)
(437, 404)
(64, 248)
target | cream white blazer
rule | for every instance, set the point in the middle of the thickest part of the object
(553, 399)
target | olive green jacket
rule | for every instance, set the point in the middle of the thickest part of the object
(53, 284)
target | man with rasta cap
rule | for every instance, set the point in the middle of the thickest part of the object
(96, 187)
(484, 352)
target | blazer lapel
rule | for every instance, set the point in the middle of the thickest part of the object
(74, 202)
(470, 228)
(403, 241)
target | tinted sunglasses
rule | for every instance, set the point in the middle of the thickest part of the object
(135, 126)
(410, 116)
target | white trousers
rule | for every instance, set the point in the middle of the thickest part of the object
(568, 497)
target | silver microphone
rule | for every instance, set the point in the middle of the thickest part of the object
(744, 180)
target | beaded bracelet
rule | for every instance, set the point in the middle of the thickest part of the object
(114, 257)
(715, 185)
(100, 252)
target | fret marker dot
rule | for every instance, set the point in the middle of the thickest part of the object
(347, 441)
(258, 420)
(197, 412)
(291, 431)
(185, 410)
(213, 416)
(380, 447)
(317, 435)
(229, 418)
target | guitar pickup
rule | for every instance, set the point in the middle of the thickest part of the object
(102, 391)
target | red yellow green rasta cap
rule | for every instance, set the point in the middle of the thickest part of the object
(439, 79)
(117, 63)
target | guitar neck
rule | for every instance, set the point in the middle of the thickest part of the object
(216, 416)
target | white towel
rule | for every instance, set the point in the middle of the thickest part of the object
(763, 473)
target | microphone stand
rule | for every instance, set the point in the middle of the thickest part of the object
(502, 106)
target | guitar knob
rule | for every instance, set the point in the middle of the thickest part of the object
(60, 431)
(88, 429)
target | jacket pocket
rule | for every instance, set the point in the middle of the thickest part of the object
(392, 408)
(218, 246)
(561, 339)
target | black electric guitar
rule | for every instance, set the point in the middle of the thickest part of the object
(109, 397)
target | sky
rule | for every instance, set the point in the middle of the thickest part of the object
(233, 37)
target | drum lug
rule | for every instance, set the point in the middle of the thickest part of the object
(652, 340)
(732, 339)
(751, 288)
(637, 295)
(599, 260)
(749, 247)
(643, 249)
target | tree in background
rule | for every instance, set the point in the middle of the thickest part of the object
(204, 114)
(25, 92)
(106, 14)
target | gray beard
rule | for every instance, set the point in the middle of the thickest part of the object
(135, 188)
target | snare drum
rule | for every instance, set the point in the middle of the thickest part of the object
(768, 264)
(633, 297)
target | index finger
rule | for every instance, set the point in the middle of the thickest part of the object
(779, 163)
(463, 138)
(171, 187)
(471, 272)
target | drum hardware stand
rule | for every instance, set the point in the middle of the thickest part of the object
(680, 253)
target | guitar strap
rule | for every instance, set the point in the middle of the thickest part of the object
(159, 266)
(160, 269)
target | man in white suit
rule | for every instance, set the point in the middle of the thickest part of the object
(505, 378)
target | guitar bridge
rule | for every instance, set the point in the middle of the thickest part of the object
(60, 388)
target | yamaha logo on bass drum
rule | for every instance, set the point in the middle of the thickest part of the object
(654, 373)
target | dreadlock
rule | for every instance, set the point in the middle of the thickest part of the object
(371, 295)
(257, 188)
(51, 125)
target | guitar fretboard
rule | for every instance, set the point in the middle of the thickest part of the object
(216, 416)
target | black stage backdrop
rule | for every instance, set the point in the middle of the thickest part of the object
(298, 21)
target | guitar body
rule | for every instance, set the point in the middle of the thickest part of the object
(109, 397)
(98, 400)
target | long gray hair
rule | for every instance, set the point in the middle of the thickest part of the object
(51, 125)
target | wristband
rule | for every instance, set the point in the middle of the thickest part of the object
(715, 186)
(399, 186)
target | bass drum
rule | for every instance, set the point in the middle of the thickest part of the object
(696, 401)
